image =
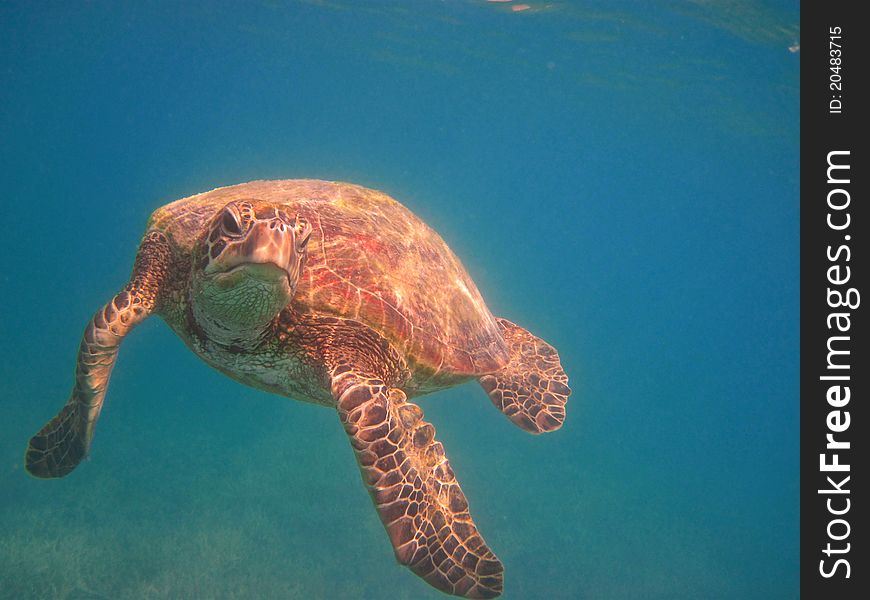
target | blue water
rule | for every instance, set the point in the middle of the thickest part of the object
(621, 178)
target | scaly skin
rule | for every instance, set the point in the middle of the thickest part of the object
(334, 294)
(532, 389)
(406, 471)
(413, 487)
(64, 441)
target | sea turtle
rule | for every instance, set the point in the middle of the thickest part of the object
(335, 294)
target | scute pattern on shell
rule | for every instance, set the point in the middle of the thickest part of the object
(372, 260)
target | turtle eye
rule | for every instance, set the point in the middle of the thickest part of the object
(303, 233)
(230, 222)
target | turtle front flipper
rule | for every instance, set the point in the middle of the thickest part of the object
(413, 487)
(64, 441)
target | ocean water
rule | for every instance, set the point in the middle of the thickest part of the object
(621, 178)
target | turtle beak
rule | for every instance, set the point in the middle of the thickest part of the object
(270, 243)
(272, 251)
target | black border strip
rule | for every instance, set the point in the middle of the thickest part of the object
(834, 265)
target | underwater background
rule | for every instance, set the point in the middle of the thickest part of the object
(621, 178)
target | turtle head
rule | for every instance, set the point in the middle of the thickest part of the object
(248, 265)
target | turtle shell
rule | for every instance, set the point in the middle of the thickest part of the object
(372, 260)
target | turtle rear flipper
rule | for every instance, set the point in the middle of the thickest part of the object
(64, 441)
(532, 389)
